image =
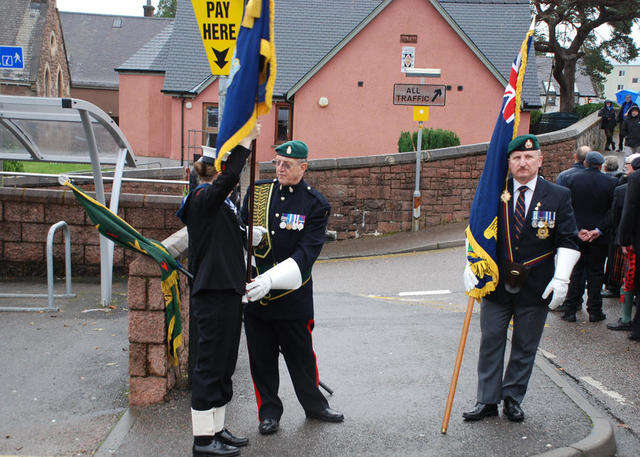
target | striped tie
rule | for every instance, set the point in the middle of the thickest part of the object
(518, 212)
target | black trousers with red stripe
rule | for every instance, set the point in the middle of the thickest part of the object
(265, 340)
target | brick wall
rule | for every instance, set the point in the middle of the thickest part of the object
(27, 214)
(373, 195)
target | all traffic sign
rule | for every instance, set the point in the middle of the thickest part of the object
(419, 94)
(219, 24)
(11, 57)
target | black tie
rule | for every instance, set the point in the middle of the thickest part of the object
(518, 212)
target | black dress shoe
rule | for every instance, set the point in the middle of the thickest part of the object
(480, 411)
(227, 438)
(268, 426)
(326, 415)
(597, 317)
(619, 325)
(634, 338)
(560, 309)
(568, 316)
(512, 410)
(215, 448)
(609, 294)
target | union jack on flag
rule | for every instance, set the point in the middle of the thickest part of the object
(482, 232)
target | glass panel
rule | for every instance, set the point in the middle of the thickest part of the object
(283, 124)
(211, 139)
(212, 116)
(9, 144)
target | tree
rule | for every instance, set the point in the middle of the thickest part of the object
(166, 8)
(568, 32)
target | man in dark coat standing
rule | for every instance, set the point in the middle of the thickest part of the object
(608, 124)
(629, 236)
(279, 316)
(591, 198)
(535, 224)
(578, 165)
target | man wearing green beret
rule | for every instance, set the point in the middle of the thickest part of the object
(535, 226)
(279, 314)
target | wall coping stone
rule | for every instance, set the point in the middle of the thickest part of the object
(64, 195)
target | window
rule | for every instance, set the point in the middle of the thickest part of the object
(210, 124)
(551, 100)
(283, 123)
(621, 73)
(620, 86)
(47, 83)
(60, 84)
(634, 80)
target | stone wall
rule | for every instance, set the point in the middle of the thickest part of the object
(27, 214)
(373, 195)
(151, 376)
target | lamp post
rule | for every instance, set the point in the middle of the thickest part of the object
(421, 73)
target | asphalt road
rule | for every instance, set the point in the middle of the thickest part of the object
(386, 335)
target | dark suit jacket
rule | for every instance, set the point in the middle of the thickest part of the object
(616, 210)
(216, 233)
(591, 198)
(551, 197)
(629, 228)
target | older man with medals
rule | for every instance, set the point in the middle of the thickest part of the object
(535, 225)
(279, 314)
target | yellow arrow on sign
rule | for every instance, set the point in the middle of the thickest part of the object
(219, 24)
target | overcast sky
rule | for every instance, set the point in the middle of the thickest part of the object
(118, 7)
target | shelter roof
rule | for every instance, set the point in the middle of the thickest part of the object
(584, 85)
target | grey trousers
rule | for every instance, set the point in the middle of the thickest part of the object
(528, 324)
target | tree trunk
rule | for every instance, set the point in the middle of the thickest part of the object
(565, 74)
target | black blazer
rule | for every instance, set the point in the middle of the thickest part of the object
(532, 244)
(629, 228)
(216, 233)
(591, 198)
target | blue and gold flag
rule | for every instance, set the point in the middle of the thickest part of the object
(482, 232)
(251, 79)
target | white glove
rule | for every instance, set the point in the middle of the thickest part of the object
(470, 280)
(285, 275)
(259, 287)
(565, 260)
(258, 233)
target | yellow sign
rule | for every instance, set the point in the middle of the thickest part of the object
(219, 24)
(420, 113)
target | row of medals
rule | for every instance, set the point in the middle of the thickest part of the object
(292, 221)
(543, 221)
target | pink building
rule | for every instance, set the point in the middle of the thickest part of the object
(337, 64)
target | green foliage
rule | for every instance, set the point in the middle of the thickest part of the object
(12, 165)
(535, 118)
(166, 8)
(431, 139)
(588, 108)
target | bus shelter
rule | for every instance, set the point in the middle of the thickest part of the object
(73, 131)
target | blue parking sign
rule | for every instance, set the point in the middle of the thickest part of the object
(11, 57)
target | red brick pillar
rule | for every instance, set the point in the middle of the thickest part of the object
(151, 376)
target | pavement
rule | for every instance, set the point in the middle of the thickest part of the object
(408, 423)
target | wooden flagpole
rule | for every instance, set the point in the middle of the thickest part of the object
(456, 368)
(252, 180)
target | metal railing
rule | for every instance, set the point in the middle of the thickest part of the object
(67, 264)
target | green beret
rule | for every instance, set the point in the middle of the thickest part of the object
(294, 149)
(527, 142)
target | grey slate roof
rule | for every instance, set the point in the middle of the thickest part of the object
(497, 27)
(583, 81)
(306, 31)
(153, 55)
(95, 47)
(22, 24)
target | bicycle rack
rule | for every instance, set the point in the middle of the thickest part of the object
(67, 263)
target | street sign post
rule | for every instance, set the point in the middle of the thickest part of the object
(219, 24)
(419, 94)
(11, 57)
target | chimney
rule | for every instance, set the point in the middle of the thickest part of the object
(148, 9)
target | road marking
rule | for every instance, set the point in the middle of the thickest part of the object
(425, 292)
(611, 393)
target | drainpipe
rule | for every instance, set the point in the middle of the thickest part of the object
(182, 133)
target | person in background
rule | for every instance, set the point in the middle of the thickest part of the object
(622, 115)
(578, 165)
(608, 124)
(631, 130)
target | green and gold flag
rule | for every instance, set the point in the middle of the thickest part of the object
(120, 232)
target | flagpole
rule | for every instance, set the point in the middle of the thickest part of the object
(252, 179)
(456, 369)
